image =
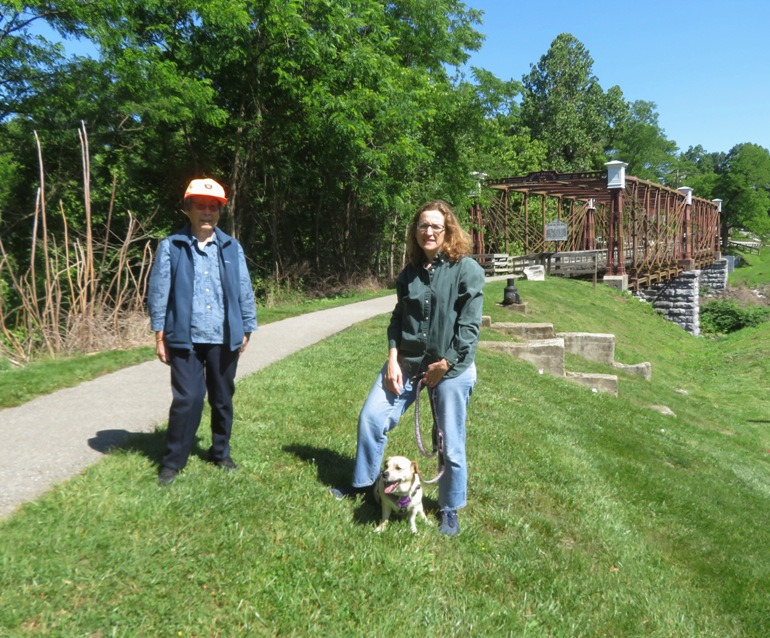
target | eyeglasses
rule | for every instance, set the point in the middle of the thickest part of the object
(436, 228)
(204, 205)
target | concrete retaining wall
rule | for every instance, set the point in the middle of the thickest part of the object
(526, 331)
(547, 355)
(591, 346)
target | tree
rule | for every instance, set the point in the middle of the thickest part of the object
(699, 170)
(744, 188)
(639, 141)
(565, 107)
(24, 57)
(321, 117)
(502, 146)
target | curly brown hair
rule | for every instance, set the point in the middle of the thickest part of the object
(457, 242)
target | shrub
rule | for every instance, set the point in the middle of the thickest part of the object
(725, 316)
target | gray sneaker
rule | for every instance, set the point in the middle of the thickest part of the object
(226, 464)
(167, 475)
(349, 492)
(450, 526)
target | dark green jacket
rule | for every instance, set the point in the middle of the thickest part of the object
(437, 314)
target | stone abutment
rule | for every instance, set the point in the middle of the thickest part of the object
(678, 299)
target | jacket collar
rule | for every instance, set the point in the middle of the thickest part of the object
(184, 234)
(439, 259)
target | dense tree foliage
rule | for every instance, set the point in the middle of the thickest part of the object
(565, 107)
(699, 170)
(744, 187)
(643, 145)
(328, 121)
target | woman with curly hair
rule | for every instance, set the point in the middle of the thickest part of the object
(432, 334)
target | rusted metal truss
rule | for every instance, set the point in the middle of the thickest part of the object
(650, 232)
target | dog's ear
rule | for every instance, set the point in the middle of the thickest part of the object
(415, 469)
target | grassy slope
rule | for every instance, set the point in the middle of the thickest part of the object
(755, 270)
(588, 515)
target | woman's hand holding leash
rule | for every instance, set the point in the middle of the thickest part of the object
(435, 373)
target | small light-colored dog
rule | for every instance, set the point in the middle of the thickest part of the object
(398, 491)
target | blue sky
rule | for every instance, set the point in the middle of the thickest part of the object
(705, 64)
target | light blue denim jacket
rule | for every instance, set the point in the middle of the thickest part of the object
(192, 290)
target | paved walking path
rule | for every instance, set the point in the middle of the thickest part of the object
(53, 437)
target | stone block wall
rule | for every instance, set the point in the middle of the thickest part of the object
(714, 278)
(677, 299)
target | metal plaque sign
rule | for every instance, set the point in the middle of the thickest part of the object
(556, 231)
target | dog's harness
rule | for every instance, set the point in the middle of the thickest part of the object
(437, 433)
(405, 501)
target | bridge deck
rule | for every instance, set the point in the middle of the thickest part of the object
(585, 263)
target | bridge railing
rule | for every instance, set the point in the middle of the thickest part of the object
(495, 263)
(565, 264)
(575, 263)
(747, 246)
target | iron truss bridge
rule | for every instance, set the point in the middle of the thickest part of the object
(598, 221)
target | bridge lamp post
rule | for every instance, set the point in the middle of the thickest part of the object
(616, 184)
(686, 191)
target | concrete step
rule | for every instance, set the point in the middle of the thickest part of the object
(600, 382)
(590, 346)
(538, 345)
(643, 370)
(547, 355)
(525, 331)
(545, 350)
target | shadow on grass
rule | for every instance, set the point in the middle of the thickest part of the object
(150, 444)
(334, 470)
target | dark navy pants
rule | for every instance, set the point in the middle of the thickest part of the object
(206, 368)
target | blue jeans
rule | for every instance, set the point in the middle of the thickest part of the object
(381, 413)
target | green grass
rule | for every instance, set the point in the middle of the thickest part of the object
(754, 271)
(45, 375)
(588, 515)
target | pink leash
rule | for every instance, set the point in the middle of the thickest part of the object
(438, 434)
